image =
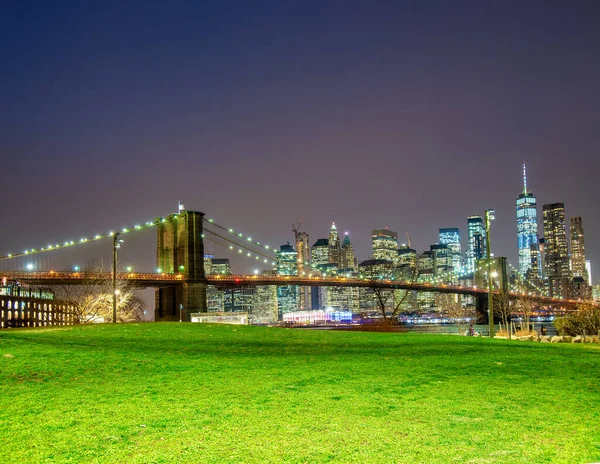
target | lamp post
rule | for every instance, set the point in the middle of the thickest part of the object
(116, 245)
(489, 217)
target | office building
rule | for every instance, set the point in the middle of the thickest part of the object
(527, 227)
(556, 252)
(347, 258)
(334, 245)
(385, 244)
(476, 241)
(578, 261)
(287, 264)
(451, 238)
(319, 253)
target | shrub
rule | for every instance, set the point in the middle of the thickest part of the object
(585, 321)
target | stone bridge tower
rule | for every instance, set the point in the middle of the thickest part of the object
(180, 250)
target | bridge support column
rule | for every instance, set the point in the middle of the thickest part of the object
(180, 250)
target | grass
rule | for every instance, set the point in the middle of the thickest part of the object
(169, 392)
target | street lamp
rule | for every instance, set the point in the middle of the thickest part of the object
(489, 217)
(116, 245)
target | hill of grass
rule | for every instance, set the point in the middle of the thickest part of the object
(206, 393)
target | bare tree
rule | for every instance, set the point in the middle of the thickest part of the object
(454, 310)
(390, 301)
(92, 298)
(526, 304)
(503, 309)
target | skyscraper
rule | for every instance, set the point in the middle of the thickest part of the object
(347, 258)
(287, 264)
(385, 244)
(451, 237)
(334, 245)
(303, 252)
(578, 262)
(319, 253)
(527, 228)
(476, 238)
(303, 260)
(442, 261)
(556, 252)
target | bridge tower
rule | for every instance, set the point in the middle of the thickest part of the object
(180, 250)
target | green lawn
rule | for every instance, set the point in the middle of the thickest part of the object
(170, 392)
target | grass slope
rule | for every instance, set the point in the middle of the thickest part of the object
(207, 393)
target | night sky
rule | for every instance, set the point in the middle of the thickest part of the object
(411, 115)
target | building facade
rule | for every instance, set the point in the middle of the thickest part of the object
(556, 252)
(451, 238)
(578, 261)
(476, 241)
(385, 244)
(527, 228)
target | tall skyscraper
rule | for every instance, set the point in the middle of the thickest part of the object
(385, 244)
(347, 258)
(578, 262)
(556, 251)
(451, 237)
(527, 227)
(334, 245)
(287, 264)
(303, 265)
(476, 239)
(303, 252)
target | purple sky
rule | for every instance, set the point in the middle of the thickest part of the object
(411, 115)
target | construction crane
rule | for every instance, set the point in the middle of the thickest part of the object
(296, 229)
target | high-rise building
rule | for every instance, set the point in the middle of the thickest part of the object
(303, 252)
(476, 241)
(347, 258)
(220, 266)
(385, 244)
(588, 267)
(287, 264)
(303, 260)
(556, 251)
(578, 261)
(527, 227)
(334, 245)
(451, 237)
(319, 253)
(406, 267)
(442, 262)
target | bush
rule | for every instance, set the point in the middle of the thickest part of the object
(585, 321)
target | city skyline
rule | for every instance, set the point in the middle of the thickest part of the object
(407, 116)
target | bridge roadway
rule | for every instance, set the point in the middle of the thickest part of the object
(144, 280)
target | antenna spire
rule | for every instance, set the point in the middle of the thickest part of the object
(524, 178)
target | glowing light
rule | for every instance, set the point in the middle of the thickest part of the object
(29, 267)
(159, 270)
